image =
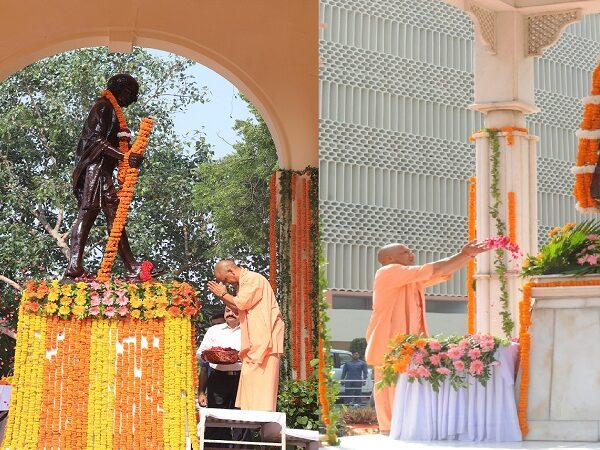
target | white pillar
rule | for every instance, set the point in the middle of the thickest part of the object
(507, 38)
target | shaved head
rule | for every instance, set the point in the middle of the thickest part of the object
(395, 254)
(227, 271)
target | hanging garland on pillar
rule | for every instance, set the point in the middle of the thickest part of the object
(499, 262)
(472, 234)
(298, 269)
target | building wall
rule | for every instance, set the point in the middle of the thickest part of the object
(396, 82)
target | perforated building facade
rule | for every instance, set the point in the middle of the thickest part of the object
(396, 82)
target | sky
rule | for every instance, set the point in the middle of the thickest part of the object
(216, 117)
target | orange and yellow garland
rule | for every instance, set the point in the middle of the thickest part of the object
(525, 342)
(512, 217)
(587, 150)
(472, 234)
(102, 383)
(508, 130)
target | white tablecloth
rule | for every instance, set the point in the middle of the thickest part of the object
(5, 390)
(475, 413)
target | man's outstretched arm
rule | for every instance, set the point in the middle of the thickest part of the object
(447, 266)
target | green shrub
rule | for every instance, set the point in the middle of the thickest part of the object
(299, 400)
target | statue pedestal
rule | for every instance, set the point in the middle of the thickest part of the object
(564, 391)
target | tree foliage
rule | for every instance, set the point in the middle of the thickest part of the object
(235, 191)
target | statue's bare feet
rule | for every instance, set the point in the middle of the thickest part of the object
(74, 273)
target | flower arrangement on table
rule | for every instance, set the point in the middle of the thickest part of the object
(442, 357)
(572, 249)
(113, 299)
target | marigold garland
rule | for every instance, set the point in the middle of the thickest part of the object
(512, 217)
(587, 150)
(125, 199)
(272, 238)
(124, 136)
(525, 342)
(472, 234)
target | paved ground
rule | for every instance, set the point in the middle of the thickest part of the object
(378, 442)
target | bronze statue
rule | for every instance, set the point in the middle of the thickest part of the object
(97, 156)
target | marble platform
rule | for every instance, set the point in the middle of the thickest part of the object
(564, 391)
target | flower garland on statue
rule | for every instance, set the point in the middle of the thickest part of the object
(124, 135)
(471, 235)
(125, 199)
(439, 358)
(587, 150)
(110, 300)
(525, 307)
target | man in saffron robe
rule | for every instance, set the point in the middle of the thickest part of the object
(262, 333)
(399, 307)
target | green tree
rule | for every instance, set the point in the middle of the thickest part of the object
(42, 109)
(235, 192)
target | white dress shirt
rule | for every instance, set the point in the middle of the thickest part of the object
(222, 335)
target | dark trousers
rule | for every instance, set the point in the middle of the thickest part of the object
(221, 391)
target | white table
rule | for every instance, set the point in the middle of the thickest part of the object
(475, 413)
(5, 391)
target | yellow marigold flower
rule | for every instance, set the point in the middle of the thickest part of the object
(149, 303)
(79, 310)
(66, 289)
(149, 314)
(135, 313)
(50, 308)
(80, 300)
(53, 296)
(135, 302)
(160, 312)
(81, 285)
(63, 310)
(568, 226)
(420, 343)
(65, 301)
(54, 284)
(553, 231)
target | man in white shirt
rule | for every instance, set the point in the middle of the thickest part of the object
(223, 380)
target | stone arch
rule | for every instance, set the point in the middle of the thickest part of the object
(275, 66)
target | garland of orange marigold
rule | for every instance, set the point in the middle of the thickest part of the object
(587, 150)
(124, 135)
(272, 238)
(472, 234)
(525, 342)
(512, 217)
(125, 198)
(508, 130)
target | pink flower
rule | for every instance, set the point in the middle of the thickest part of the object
(108, 300)
(121, 292)
(417, 358)
(592, 237)
(109, 312)
(435, 346)
(455, 353)
(122, 300)
(123, 310)
(476, 367)
(443, 370)
(435, 360)
(95, 301)
(423, 371)
(411, 373)
(464, 344)
(94, 311)
(474, 353)
(443, 355)
(94, 285)
(459, 365)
